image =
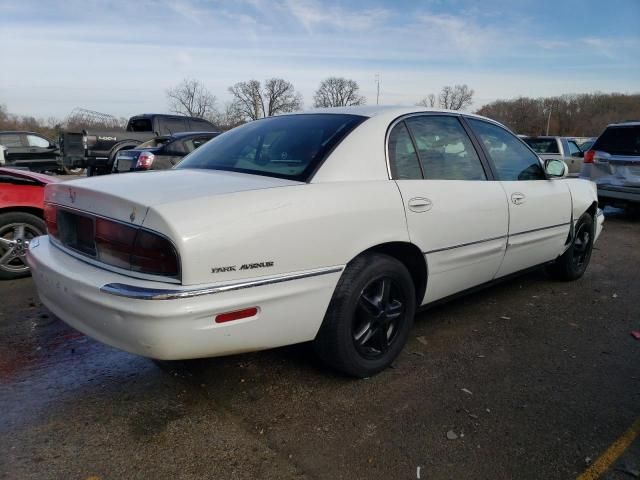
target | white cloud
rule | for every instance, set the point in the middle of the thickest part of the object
(120, 60)
(312, 14)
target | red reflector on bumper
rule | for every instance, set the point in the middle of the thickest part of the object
(237, 315)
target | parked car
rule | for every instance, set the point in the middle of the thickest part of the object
(30, 151)
(160, 153)
(561, 148)
(96, 150)
(331, 226)
(2, 150)
(613, 163)
(21, 217)
(584, 143)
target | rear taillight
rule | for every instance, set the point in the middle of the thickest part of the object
(113, 243)
(588, 156)
(51, 219)
(153, 254)
(145, 160)
(135, 249)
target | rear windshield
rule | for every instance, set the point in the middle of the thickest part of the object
(619, 140)
(543, 145)
(290, 146)
(155, 142)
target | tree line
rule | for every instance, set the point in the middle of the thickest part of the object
(252, 99)
(570, 115)
(579, 115)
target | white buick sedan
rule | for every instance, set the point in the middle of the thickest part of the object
(331, 226)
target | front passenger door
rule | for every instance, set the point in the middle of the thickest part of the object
(539, 208)
(455, 213)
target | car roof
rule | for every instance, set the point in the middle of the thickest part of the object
(390, 112)
(166, 115)
(22, 132)
(190, 134)
(630, 123)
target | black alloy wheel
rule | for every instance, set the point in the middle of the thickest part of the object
(572, 264)
(377, 318)
(369, 317)
(582, 244)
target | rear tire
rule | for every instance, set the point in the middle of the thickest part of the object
(369, 317)
(572, 264)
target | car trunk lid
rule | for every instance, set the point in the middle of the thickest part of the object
(127, 197)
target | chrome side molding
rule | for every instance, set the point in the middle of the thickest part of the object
(143, 293)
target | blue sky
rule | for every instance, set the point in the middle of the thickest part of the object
(119, 56)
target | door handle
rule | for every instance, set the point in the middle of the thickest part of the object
(420, 204)
(518, 198)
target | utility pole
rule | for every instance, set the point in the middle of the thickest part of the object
(548, 121)
(378, 89)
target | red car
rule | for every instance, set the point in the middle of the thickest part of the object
(21, 217)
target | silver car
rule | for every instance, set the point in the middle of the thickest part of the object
(558, 148)
(613, 163)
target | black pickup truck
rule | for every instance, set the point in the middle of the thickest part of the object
(97, 150)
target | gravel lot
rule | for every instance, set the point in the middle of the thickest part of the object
(533, 378)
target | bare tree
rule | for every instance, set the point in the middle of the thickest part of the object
(247, 99)
(280, 97)
(338, 92)
(253, 101)
(230, 117)
(191, 98)
(457, 97)
(429, 101)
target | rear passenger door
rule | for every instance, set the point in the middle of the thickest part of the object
(455, 213)
(539, 208)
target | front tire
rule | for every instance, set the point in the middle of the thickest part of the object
(572, 264)
(369, 317)
(16, 230)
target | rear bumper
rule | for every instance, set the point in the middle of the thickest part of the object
(628, 194)
(177, 327)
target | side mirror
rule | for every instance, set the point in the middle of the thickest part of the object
(555, 168)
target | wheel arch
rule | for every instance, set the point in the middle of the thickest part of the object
(411, 257)
(38, 212)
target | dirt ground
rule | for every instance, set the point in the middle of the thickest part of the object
(534, 378)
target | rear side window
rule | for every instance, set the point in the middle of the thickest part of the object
(574, 150)
(402, 156)
(35, 141)
(192, 143)
(173, 125)
(512, 159)
(543, 145)
(444, 149)
(10, 140)
(620, 140)
(198, 125)
(139, 125)
(288, 146)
